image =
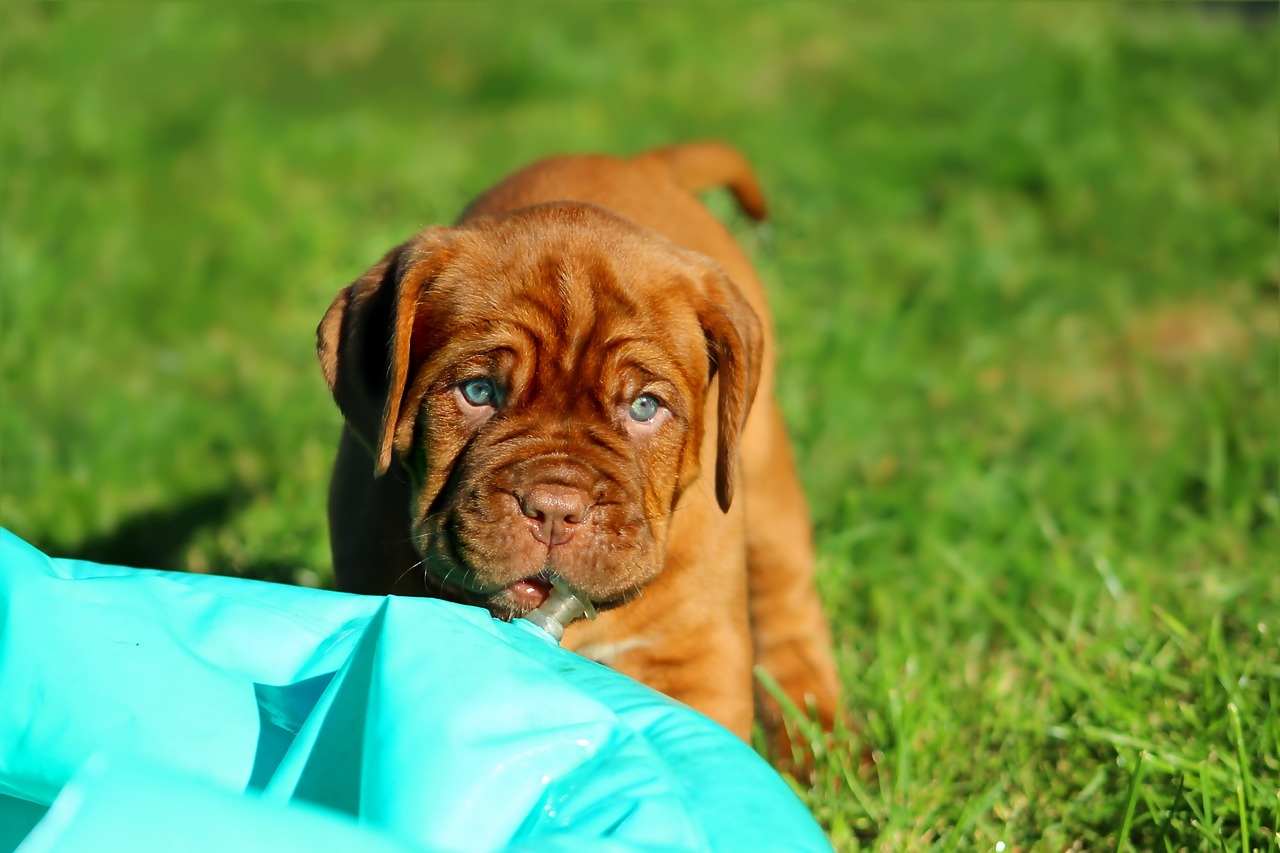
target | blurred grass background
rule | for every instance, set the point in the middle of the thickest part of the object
(1026, 279)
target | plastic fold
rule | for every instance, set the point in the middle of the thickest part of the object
(147, 710)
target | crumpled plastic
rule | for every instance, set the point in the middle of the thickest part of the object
(145, 710)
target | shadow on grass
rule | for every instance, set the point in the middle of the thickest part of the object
(158, 538)
(161, 538)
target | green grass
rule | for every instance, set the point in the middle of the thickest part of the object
(1026, 281)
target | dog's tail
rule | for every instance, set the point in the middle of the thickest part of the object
(699, 166)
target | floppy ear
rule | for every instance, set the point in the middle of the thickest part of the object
(364, 343)
(735, 344)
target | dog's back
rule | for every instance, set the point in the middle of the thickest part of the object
(655, 189)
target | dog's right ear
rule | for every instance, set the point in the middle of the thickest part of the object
(365, 343)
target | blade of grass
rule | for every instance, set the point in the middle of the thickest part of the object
(1134, 782)
(1242, 781)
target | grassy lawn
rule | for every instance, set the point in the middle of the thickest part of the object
(1027, 286)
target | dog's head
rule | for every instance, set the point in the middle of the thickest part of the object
(542, 376)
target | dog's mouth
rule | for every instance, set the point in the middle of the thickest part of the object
(445, 561)
(527, 593)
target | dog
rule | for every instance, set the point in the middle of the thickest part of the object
(575, 381)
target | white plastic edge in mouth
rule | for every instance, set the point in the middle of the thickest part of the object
(564, 604)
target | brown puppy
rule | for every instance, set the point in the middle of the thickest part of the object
(559, 385)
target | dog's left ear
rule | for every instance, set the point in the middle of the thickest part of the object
(365, 343)
(735, 345)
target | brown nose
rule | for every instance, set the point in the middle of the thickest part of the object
(553, 511)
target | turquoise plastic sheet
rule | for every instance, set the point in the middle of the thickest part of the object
(146, 710)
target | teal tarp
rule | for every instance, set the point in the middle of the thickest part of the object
(169, 711)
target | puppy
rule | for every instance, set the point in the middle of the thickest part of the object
(575, 381)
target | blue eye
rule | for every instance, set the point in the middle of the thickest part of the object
(480, 392)
(644, 408)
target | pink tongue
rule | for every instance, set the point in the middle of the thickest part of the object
(533, 590)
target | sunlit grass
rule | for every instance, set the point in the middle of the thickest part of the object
(1025, 274)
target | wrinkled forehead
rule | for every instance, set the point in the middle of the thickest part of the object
(573, 288)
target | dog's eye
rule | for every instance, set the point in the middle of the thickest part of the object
(480, 392)
(644, 408)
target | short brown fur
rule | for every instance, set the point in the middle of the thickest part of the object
(576, 285)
